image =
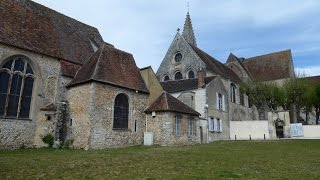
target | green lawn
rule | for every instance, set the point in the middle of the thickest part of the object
(284, 159)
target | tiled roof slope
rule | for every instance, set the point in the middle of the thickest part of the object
(183, 84)
(215, 65)
(268, 67)
(165, 102)
(313, 80)
(233, 58)
(69, 69)
(28, 25)
(112, 66)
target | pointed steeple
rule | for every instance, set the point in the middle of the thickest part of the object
(188, 33)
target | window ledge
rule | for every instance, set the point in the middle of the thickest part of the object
(119, 129)
(11, 119)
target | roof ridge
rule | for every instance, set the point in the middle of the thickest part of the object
(268, 54)
(98, 61)
(166, 99)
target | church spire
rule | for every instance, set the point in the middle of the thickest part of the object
(188, 33)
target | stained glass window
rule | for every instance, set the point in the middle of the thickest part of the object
(16, 84)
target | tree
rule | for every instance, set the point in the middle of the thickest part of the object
(266, 94)
(316, 102)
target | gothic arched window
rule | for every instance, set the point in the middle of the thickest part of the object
(233, 89)
(16, 85)
(178, 76)
(191, 74)
(121, 112)
(165, 78)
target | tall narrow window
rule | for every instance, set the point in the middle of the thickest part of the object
(177, 125)
(178, 76)
(233, 92)
(220, 101)
(16, 85)
(121, 112)
(191, 127)
(190, 74)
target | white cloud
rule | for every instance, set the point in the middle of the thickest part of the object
(308, 71)
(146, 28)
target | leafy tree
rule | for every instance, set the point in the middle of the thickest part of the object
(316, 102)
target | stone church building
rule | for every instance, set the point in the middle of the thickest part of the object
(58, 76)
(213, 88)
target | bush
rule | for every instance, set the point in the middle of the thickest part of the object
(48, 139)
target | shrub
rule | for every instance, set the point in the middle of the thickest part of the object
(48, 139)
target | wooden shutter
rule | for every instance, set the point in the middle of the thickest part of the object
(220, 125)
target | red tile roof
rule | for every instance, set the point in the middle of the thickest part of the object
(273, 66)
(28, 25)
(69, 69)
(233, 58)
(49, 107)
(184, 84)
(112, 66)
(167, 103)
(313, 80)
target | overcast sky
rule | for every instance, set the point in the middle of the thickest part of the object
(246, 28)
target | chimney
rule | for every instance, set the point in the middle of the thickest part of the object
(201, 75)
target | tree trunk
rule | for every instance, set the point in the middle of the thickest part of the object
(317, 115)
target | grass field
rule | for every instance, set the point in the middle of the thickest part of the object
(283, 159)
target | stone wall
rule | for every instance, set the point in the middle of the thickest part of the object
(162, 125)
(190, 61)
(92, 108)
(46, 70)
(212, 89)
(80, 102)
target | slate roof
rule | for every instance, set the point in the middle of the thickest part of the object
(232, 58)
(112, 66)
(273, 66)
(165, 102)
(215, 65)
(173, 86)
(31, 26)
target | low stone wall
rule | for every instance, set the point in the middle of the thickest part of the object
(244, 129)
(311, 131)
(16, 133)
(162, 126)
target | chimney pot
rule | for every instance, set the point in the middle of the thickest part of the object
(201, 76)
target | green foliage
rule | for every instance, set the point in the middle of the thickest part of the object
(263, 94)
(48, 139)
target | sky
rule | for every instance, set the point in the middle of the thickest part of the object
(246, 28)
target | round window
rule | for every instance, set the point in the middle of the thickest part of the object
(178, 57)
